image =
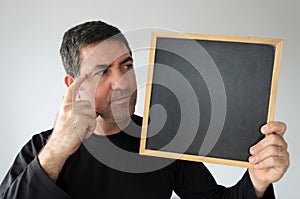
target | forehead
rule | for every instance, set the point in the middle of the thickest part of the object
(104, 52)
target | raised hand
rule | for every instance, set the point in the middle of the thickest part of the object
(75, 121)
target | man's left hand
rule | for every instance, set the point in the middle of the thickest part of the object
(270, 157)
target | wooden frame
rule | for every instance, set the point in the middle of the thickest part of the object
(276, 43)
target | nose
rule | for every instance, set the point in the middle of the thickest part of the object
(119, 80)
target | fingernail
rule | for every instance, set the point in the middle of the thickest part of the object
(253, 150)
(252, 159)
(264, 129)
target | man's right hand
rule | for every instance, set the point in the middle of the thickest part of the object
(75, 121)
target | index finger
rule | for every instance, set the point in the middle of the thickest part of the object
(73, 88)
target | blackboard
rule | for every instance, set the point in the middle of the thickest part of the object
(207, 96)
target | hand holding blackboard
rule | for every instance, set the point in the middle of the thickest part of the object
(269, 157)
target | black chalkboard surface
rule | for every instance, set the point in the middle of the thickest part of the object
(208, 95)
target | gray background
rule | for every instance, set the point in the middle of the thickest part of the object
(31, 82)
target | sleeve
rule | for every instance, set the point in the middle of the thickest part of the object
(194, 181)
(26, 179)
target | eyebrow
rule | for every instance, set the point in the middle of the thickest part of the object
(127, 59)
(105, 66)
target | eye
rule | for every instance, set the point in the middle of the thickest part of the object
(127, 67)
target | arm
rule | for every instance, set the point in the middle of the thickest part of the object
(194, 181)
(35, 170)
(75, 121)
(270, 160)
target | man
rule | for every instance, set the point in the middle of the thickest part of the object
(97, 110)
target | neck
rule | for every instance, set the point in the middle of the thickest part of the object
(105, 127)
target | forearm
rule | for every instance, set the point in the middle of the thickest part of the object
(242, 190)
(258, 186)
(57, 150)
(195, 181)
(51, 162)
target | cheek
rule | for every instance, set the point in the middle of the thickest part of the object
(96, 92)
(88, 91)
(133, 98)
(132, 80)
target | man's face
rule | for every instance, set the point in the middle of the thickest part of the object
(111, 83)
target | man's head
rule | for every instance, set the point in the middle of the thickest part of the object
(82, 35)
(101, 52)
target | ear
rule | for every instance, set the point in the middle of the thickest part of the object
(68, 80)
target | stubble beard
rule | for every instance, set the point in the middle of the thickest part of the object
(119, 114)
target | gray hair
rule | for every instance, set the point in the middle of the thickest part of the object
(82, 35)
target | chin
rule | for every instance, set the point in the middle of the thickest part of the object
(120, 116)
(123, 115)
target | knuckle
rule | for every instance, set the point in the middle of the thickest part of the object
(66, 107)
(281, 127)
(288, 154)
(284, 126)
(272, 160)
(281, 151)
(272, 138)
(274, 150)
(284, 144)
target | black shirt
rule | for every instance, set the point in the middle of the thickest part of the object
(110, 167)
